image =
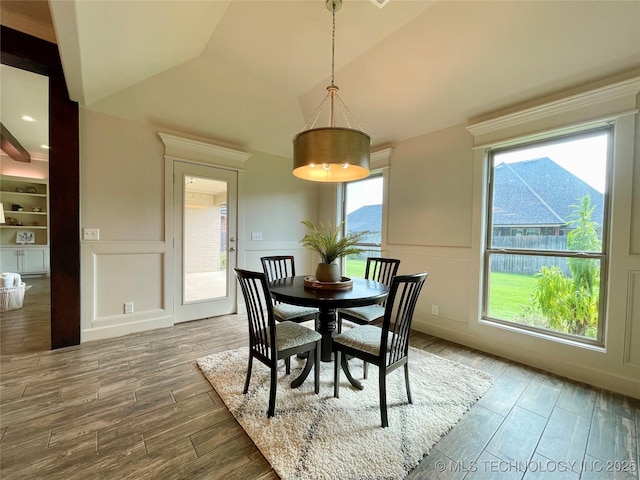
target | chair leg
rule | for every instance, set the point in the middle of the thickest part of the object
(383, 397)
(287, 365)
(336, 374)
(406, 380)
(246, 382)
(272, 392)
(316, 367)
(365, 369)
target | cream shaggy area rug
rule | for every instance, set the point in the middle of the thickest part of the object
(321, 437)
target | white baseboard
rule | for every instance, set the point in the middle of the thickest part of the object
(532, 357)
(110, 331)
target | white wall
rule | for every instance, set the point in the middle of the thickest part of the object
(429, 210)
(122, 178)
(431, 190)
(123, 194)
(274, 202)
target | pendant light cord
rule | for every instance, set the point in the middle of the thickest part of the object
(333, 43)
(332, 98)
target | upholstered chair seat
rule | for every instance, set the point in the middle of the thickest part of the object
(291, 335)
(365, 338)
(362, 315)
(287, 312)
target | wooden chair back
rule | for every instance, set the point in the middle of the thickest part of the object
(262, 326)
(381, 270)
(279, 266)
(398, 316)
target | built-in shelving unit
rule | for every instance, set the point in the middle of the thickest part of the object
(24, 237)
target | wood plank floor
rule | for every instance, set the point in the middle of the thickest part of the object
(137, 407)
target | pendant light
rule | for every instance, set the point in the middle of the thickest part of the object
(332, 154)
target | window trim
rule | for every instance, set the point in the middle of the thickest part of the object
(344, 208)
(603, 256)
(382, 173)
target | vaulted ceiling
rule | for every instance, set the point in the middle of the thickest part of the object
(251, 73)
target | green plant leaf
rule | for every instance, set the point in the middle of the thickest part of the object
(327, 242)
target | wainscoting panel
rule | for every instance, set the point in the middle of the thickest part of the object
(121, 273)
(632, 349)
(447, 289)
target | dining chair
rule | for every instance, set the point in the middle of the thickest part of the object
(386, 347)
(381, 270)
(270, 341)
(281, 266)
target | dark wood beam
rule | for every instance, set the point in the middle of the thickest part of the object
(12, 147)
(29, 53)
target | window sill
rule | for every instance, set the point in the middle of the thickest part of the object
(541, 335)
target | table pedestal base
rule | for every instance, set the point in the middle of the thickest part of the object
(327, 328)
(309, 364)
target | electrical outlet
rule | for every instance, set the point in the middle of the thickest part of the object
(256, 235)
(91, 234)
(128, 307)
(434, 309)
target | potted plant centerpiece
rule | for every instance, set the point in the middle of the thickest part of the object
(330, 245)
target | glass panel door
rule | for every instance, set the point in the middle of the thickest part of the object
(204, 210)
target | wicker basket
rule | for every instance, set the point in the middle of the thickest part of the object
(11, 298)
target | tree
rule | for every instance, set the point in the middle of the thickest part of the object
(570, 304)
(583, 238)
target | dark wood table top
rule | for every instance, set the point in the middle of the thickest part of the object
(293, 290)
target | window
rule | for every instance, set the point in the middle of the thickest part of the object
(363, 212)
(546, 245)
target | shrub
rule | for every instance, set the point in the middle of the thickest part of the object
(570, 304)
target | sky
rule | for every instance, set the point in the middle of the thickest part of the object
(364, 192)
(585, 158)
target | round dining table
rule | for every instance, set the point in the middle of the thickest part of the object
(293, 290)
(327, 300)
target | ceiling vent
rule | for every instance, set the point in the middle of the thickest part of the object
(380, 3)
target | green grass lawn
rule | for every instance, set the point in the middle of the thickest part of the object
(510, 293)
(356, 267)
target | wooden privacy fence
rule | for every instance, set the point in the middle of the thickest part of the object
(529, 264)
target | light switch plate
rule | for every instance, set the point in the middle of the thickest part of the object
(91, 234)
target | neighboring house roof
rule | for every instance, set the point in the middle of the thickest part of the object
(539, 192)
(365, 218)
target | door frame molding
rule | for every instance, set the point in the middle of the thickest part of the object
(183, 149)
